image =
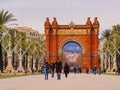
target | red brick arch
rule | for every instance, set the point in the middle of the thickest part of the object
(85, 35)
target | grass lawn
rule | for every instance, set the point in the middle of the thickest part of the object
(113, 74)
(10, 75)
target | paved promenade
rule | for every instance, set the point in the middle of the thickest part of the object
(73, 82)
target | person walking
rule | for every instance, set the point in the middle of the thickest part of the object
(45, 69)
(99, 70)
(118, 70)
(75, 70)
(58, 66)
(94, 70)
(87, 70)
(79, 70)
(66, 69)
(52, 67)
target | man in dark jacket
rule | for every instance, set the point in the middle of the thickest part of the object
(45, 69)
(58, 65)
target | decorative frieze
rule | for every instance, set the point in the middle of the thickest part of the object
(72, 32)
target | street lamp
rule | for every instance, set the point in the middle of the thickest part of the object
(1, 62)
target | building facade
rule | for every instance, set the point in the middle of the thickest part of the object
(85, 35)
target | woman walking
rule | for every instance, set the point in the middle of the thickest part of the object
(66, 69)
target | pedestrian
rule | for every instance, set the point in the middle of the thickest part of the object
(118, 70)
(99, 70)
(79, 69)
(52, 67)
(45, 69)
(94, 70)
(58, 66)
(87, 70)
(75, 70)
(66, 69)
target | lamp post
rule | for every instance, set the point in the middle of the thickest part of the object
(1, 62)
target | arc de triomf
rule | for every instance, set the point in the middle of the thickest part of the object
(85, 35)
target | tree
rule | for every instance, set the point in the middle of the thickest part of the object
(106, 49)
(111, 47)
(116, 43)
(106, 34)
(36, 50)
(5, 18)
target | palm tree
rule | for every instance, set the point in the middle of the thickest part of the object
(106, 34)
(4, 51)
(5, 18)
(116, 43)
(36, 50)
(40, 51)
(20, 50)
(116, 27)
(112, 47)
(14, 40)
(106, 47)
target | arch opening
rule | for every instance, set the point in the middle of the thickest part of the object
(71, 53)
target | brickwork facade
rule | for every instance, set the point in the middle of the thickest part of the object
(85, 35)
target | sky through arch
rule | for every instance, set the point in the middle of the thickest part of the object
(72, 47)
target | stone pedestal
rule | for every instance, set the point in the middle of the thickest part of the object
(9, 67)
(20, 68)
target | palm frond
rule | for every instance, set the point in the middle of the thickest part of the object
(106, 34)
(6, 17)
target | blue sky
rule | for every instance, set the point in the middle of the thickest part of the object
(32, 13)
(72, 47)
